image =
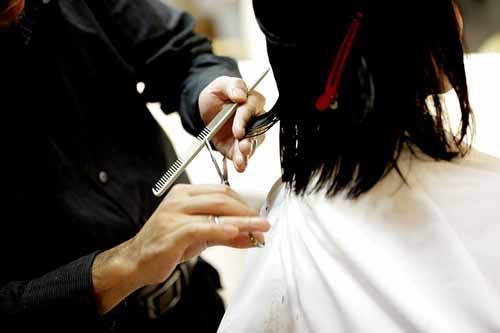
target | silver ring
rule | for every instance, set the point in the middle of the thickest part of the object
(213, 219)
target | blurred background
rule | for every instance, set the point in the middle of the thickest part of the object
(229, 23)
(482, 24)
(231, 26)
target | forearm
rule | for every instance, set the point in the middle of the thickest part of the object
(114, 277)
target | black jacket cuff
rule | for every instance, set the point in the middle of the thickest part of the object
(66, 292)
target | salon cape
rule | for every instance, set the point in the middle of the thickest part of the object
(422, 257)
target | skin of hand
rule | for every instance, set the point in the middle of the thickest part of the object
(10, 11)
(229, 140)
(180, 229)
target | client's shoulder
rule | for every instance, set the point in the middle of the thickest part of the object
(474, 165)
(481, 161)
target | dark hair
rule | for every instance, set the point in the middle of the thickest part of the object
(400, 57)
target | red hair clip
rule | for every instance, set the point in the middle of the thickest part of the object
(328, 98)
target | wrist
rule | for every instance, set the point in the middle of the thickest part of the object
(114, 275)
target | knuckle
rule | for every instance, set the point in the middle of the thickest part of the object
(175, 189)
(220, 200)
(226, 190)
(239, 82)
(221, 79)
(228, 82)
(181, 206)
(258, 95)
(175, 204)
(182, 187)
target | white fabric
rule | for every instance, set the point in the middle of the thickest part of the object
(417, 258)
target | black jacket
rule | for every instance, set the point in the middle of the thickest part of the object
(80, 150)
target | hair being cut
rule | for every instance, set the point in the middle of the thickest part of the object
(401, 59)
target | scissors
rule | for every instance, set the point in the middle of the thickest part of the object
(223, 174)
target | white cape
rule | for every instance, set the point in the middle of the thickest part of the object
(417, 258)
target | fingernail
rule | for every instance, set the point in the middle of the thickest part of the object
(256, 242)
(259, 244)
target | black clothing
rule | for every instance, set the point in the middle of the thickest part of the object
(80, 149)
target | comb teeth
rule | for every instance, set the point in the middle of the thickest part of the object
(168, 177)
(203, 135)
(174, 171)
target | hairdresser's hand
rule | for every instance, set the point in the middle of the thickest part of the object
(10, 11)
(181, 228)
(229, 140)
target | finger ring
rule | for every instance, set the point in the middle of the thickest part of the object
(214, 219)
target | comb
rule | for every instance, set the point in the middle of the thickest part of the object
(178, 167)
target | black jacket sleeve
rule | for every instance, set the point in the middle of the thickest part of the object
(55, 299)
(173, 61)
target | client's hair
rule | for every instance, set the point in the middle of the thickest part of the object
(402, 55)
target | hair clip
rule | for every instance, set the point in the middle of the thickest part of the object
(329, 97)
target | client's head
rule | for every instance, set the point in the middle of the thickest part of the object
(354, 77)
